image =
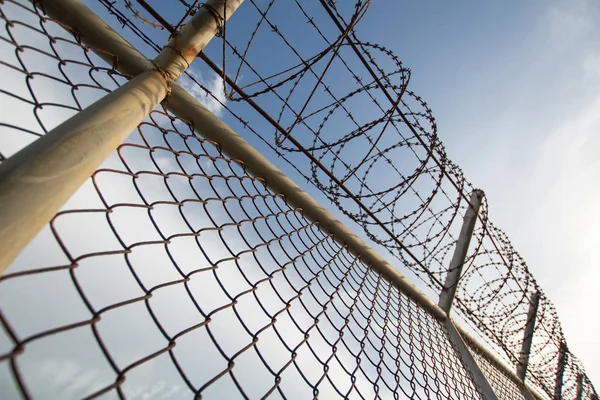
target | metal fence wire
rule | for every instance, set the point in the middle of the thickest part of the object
(177, 271)
(204, 282)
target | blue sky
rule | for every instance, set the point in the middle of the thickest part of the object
(514, 87)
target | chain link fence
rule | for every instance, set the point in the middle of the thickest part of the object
(173, 272)
(176, 271)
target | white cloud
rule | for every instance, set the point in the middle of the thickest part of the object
(566, 195)
(213, 98)
(591, 65)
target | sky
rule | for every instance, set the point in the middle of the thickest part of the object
(514, 89)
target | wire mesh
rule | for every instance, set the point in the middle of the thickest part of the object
(173, 272)
(40, 64)
(329, 101)
(184, 271)
(347, 106)
(198, 271)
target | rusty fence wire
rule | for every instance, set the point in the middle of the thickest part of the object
(189, 274)
(175, 272)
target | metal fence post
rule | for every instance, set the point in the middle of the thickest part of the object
(460, 252)
(560, 369)
(469, 361)
(528, 336)
(39, 179)
(579, 386)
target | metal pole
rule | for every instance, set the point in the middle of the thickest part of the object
(528, 336)
(460, 252)
(560, 369)
(469, 362)
(579, 386)
(527, 391)
(37, 181)
(185, 45)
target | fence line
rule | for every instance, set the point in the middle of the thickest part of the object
(194, 116)
(23, 376)
(185, 106)
(389, 338)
